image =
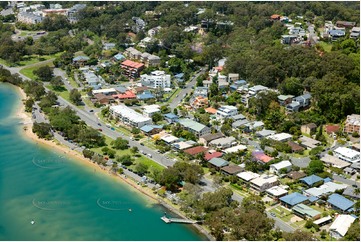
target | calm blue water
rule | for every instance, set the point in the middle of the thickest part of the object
(67, 200)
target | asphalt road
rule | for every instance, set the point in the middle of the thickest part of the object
(178, 99)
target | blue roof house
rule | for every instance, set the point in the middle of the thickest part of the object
(171, 118)
(293, 199)
(119, 57)
(151, 129)
(145, 96)
(311, 180)
(340, 203)
(218, 162)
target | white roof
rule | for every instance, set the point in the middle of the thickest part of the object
(104, 90)
(280, 136)
(151, 108)
(260, 181)
(129, 113)
(247, 175)
(235, 148)
(342, 223)
(282, 164)
(328, 187)
(321, 220)
(276, 191)
(182, 145)
(169, 138)
(334, 161)
(346, 152)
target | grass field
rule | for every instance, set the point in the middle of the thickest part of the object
(32, 59)
(28, 71)
(327, 47)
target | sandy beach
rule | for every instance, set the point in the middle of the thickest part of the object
(150, 196)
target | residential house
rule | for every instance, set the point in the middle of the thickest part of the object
(306, 212)
(240, 123)
(247, 93)
(236, 148)
(80, 60)
(118, 57)
(218, 163)
(210, 110)
(132, 53)
(232, 77)
(196, 150)
(151, 129)
(102, 99)
(149, 60)
(108, 46)
(275, 17)
(323, 221)
(212, 154)
(296, 175)
(207, 83)
(205, 139)
(336, 34)
(194, 127)
(156, 79)
(182, 145)
(171, 118)
(299, 102)
(231, 170)
(131, 69)
(124, 96)
(264, 182)
(129, 117)
(139, 24)
(259, 156)
(247, 176)
(237, 84)
(341, 225)
(340, 203)
(238, 117)
(345, 24)
(200, 91)
(281, 137)
(351, 193)
(311, 180)
(199, 102)
(150, 110)
(277, 168)
(107, 91)
(347, 154)
(179, 77)
(332, 129)
(145, 42)
(355, 33)
(169, 139)
(73, 12)
(295, 147)
(309, 143)
(276, 192)
(153, 31)
(325, 189)
(145, 96)
(352, 124)
(29, 18)
(224, 142)
(288, 39)
(284, 99)
(293, 199)
(226, 112)
(332, 161)
(309, 128)
(301, 162)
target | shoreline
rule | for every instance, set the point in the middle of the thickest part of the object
(150, 197)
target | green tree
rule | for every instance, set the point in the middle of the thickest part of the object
(157, 117)
(120, 144)
(43, 130)
(315, 166)
(298, 235)
(75, 96)
(44, 73)
(125, 160)
(141, 168)
(57, 83)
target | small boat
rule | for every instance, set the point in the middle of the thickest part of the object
(32, 222)
(129, 209)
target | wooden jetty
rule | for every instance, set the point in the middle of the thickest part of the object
(177, 220)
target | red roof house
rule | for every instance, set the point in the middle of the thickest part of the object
(196, 150)
(212, 155)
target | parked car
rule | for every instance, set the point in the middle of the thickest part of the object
(273, 214)
(100, 130)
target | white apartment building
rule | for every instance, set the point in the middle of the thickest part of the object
(226, 112)
(347, 154)
(157, 79)
(129, 117)
(150, 110)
